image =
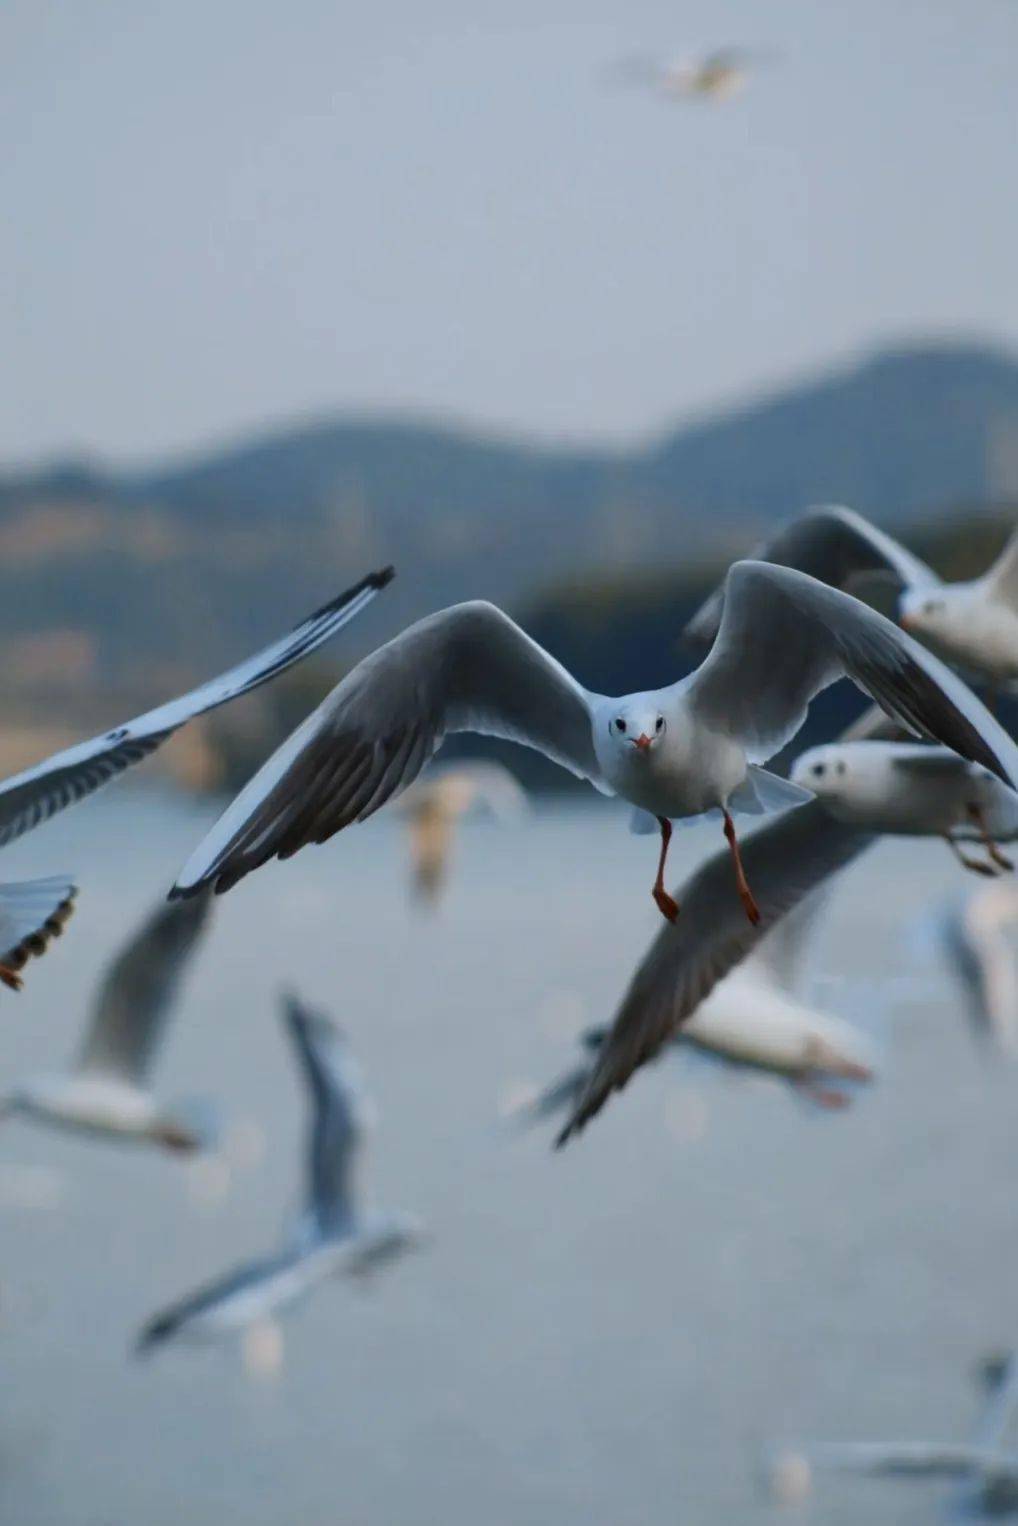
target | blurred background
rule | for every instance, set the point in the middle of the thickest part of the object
(295, 291)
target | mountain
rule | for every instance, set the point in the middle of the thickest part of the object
(127, 584)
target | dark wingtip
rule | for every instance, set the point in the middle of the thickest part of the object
(381, 579)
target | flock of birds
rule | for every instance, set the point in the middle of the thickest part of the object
(721, 976)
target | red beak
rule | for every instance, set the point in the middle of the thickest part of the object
(643, 742)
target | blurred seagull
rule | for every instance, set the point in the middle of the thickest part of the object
(907, 789)
(37, 910)
(716, 76)
(108, 1092)
(336, 1235)
(973, 625)
(990, 1472)
(753, 1021)
(975, 938)
(682, 751)
(436, 801)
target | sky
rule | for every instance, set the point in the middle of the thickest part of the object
(220, 215)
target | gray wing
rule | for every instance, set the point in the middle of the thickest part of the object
(341, 1115)
(558, 1097)
(785, 861)
(32, 913)
(29, 798)
(251, 1274)
(904, 1459)
(139, 989)
(781, 956)
(469, 668)
(784, 637)
(928, 762)
(833, 544)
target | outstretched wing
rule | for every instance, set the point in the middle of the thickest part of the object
(139, 989)
(784, 637)
(469, 668)
(250, 1279)
(833, 544)
(29, 798)
(341, 1115)
(32, 913)
(785, 861)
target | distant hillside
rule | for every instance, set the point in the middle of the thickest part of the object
(129, 583)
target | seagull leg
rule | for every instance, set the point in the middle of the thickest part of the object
(968, 863)
(979, 817)
(745, 894)
(11, 979)
(668, 907)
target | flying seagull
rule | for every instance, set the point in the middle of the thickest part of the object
(677, 752)
(910, 790)
(973, 625)
(440, 798)
(336, 1235)
(32, 797)
(753, 1021)
(716, 76)
(107, 1092)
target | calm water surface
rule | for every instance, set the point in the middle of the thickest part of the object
(604, 1336)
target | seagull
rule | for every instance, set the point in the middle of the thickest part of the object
(975, 938)
(910, 790)
(717, 76)
(107, 1093)
(789, 859)
(982, 1463)
(32, 797)
(973, 625)
(438, 799)
(335, 1235)
(688, 750)
(752, 1021)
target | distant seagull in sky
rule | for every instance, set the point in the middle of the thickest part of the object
(108, 1092)
(336, 1234)
(980, 938)
(984, 1465)
(715, 76)
(30, 798)
(696, 747)
(753, 1021)
(438, 800)
(973, 625)
(907, 789)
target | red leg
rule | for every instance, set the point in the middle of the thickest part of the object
(1000, 859)
(11, 978)
(969, 863)
(668, 908)
(745, 894)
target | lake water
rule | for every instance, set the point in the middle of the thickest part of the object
(603, 1336)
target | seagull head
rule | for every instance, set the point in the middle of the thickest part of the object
(823, 770)
(921, 612)
(636, 726)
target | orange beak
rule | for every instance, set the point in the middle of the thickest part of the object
(643, 742)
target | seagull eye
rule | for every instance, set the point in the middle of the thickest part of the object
(620, 724)
(818, 770)
(659, 724)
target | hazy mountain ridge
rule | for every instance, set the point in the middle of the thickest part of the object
(164, 575)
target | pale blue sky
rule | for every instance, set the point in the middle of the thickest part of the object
(221, 213)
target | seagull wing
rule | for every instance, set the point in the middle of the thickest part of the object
(469, 668)
(139, 989)
(905, 1459)
(29, 798)
(32, 913)
(247, 1278)
(1001, 582)
(833, 544)
(1000, 1408)
(342, 1115)
(784, 637)
(785, 860)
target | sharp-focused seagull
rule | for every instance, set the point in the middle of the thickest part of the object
(335, 1235)
(910, 790)
(973, 625)
(439, 799)
(788, 859)
(978, 937)
(32, 797)
(753, 1021)
(717, 76)
(677, 752)
(990, 1471)
(108, 1092)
